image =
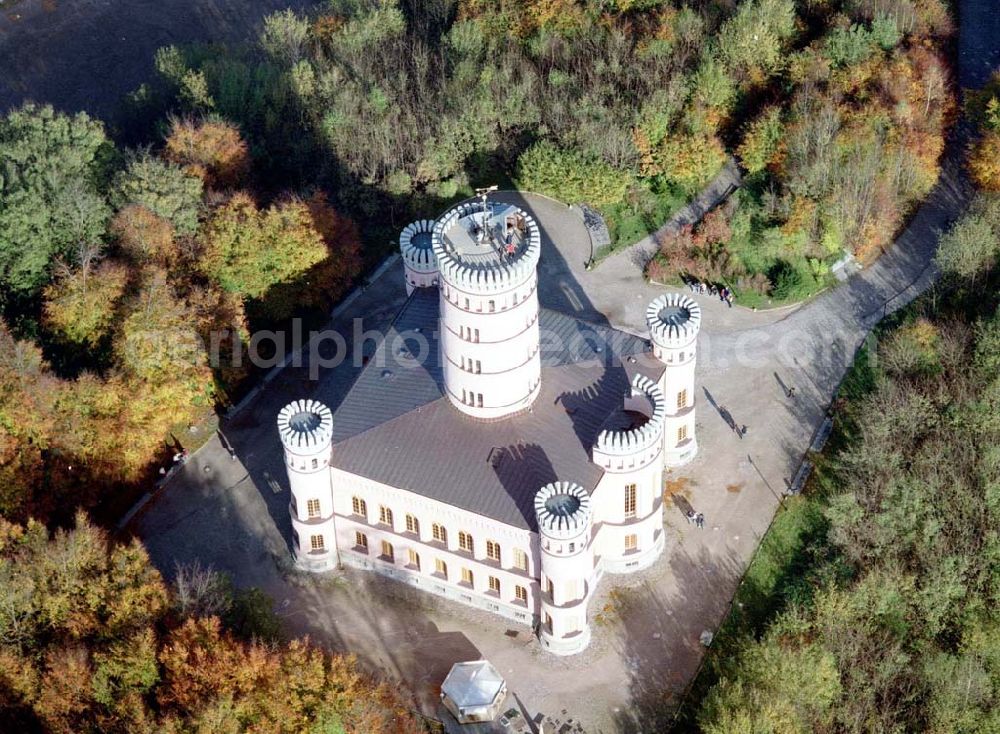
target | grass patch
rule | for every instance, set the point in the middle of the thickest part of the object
(650, 206)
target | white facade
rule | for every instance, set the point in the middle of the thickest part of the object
(488, 316)
(568, 571)
(306, 428)
(674, 321)
(489, 309)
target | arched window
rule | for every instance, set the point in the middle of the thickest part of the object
(439, 533)
(465, 541)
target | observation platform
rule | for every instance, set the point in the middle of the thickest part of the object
(502, 241)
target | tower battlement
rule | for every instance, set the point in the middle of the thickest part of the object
(415, 245)
(306, 426)
(673, 320)
(486, 259)
(563, 510)
(645, 397)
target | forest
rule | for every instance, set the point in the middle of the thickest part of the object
(92, 640)
(836, 111)
(872, 603)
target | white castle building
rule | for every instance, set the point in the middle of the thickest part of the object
(494, 452)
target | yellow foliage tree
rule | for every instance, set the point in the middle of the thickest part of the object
(248, 251)
(80, 305)
(984, 161)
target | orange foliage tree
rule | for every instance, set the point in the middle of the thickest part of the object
(211, 149)
(88, 643)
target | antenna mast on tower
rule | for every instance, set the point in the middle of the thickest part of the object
(483, 194)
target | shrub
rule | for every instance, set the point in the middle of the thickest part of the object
(571, 176)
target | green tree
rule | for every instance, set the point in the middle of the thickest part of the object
(971, 246)
(248, 251)
(752, 43)
(163, 188)
(571, 176)
(51, 172)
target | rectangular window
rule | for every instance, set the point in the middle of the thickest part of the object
(520, 559)
(494, 584)
(682, 399)
(387, 551)
(475, 337)
(412, 525)
(413, 558)
(441, 568)
(682, 433)
(493, 306)
(630, 493)
(479, 367)
(360, 540)
(493, 551)
(631, 542)
(479, 400)
(466, 304)
(465, 541)
(312, 508)
(316, 542)
(359, 506)
(315, 463)
(465, 398)
(385, 515)
(439, 533)
(467, 577)
(521, 594)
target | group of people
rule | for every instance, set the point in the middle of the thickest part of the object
(697, 518)
(724, 293)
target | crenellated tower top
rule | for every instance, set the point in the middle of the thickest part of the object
(563, 510)
(673, 320)
(416, 248)
(306, 427)
(489, 251)
(645, 398)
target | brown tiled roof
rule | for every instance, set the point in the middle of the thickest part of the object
(396, 427)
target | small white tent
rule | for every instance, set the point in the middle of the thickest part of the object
(473, 691)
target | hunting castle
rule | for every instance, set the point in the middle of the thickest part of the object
(494, 452)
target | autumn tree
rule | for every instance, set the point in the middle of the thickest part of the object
(80, 304)
(52, 168)
(144, 236)
(248, 250)
(87, 643)
(211, 149)
(162, 187)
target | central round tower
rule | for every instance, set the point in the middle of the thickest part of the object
(487, 261)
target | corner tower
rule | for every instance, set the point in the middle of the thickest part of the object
(419, 264)
(487, 258)
(629, 505)
(567, 564)
(306, 428)
(674, 321)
